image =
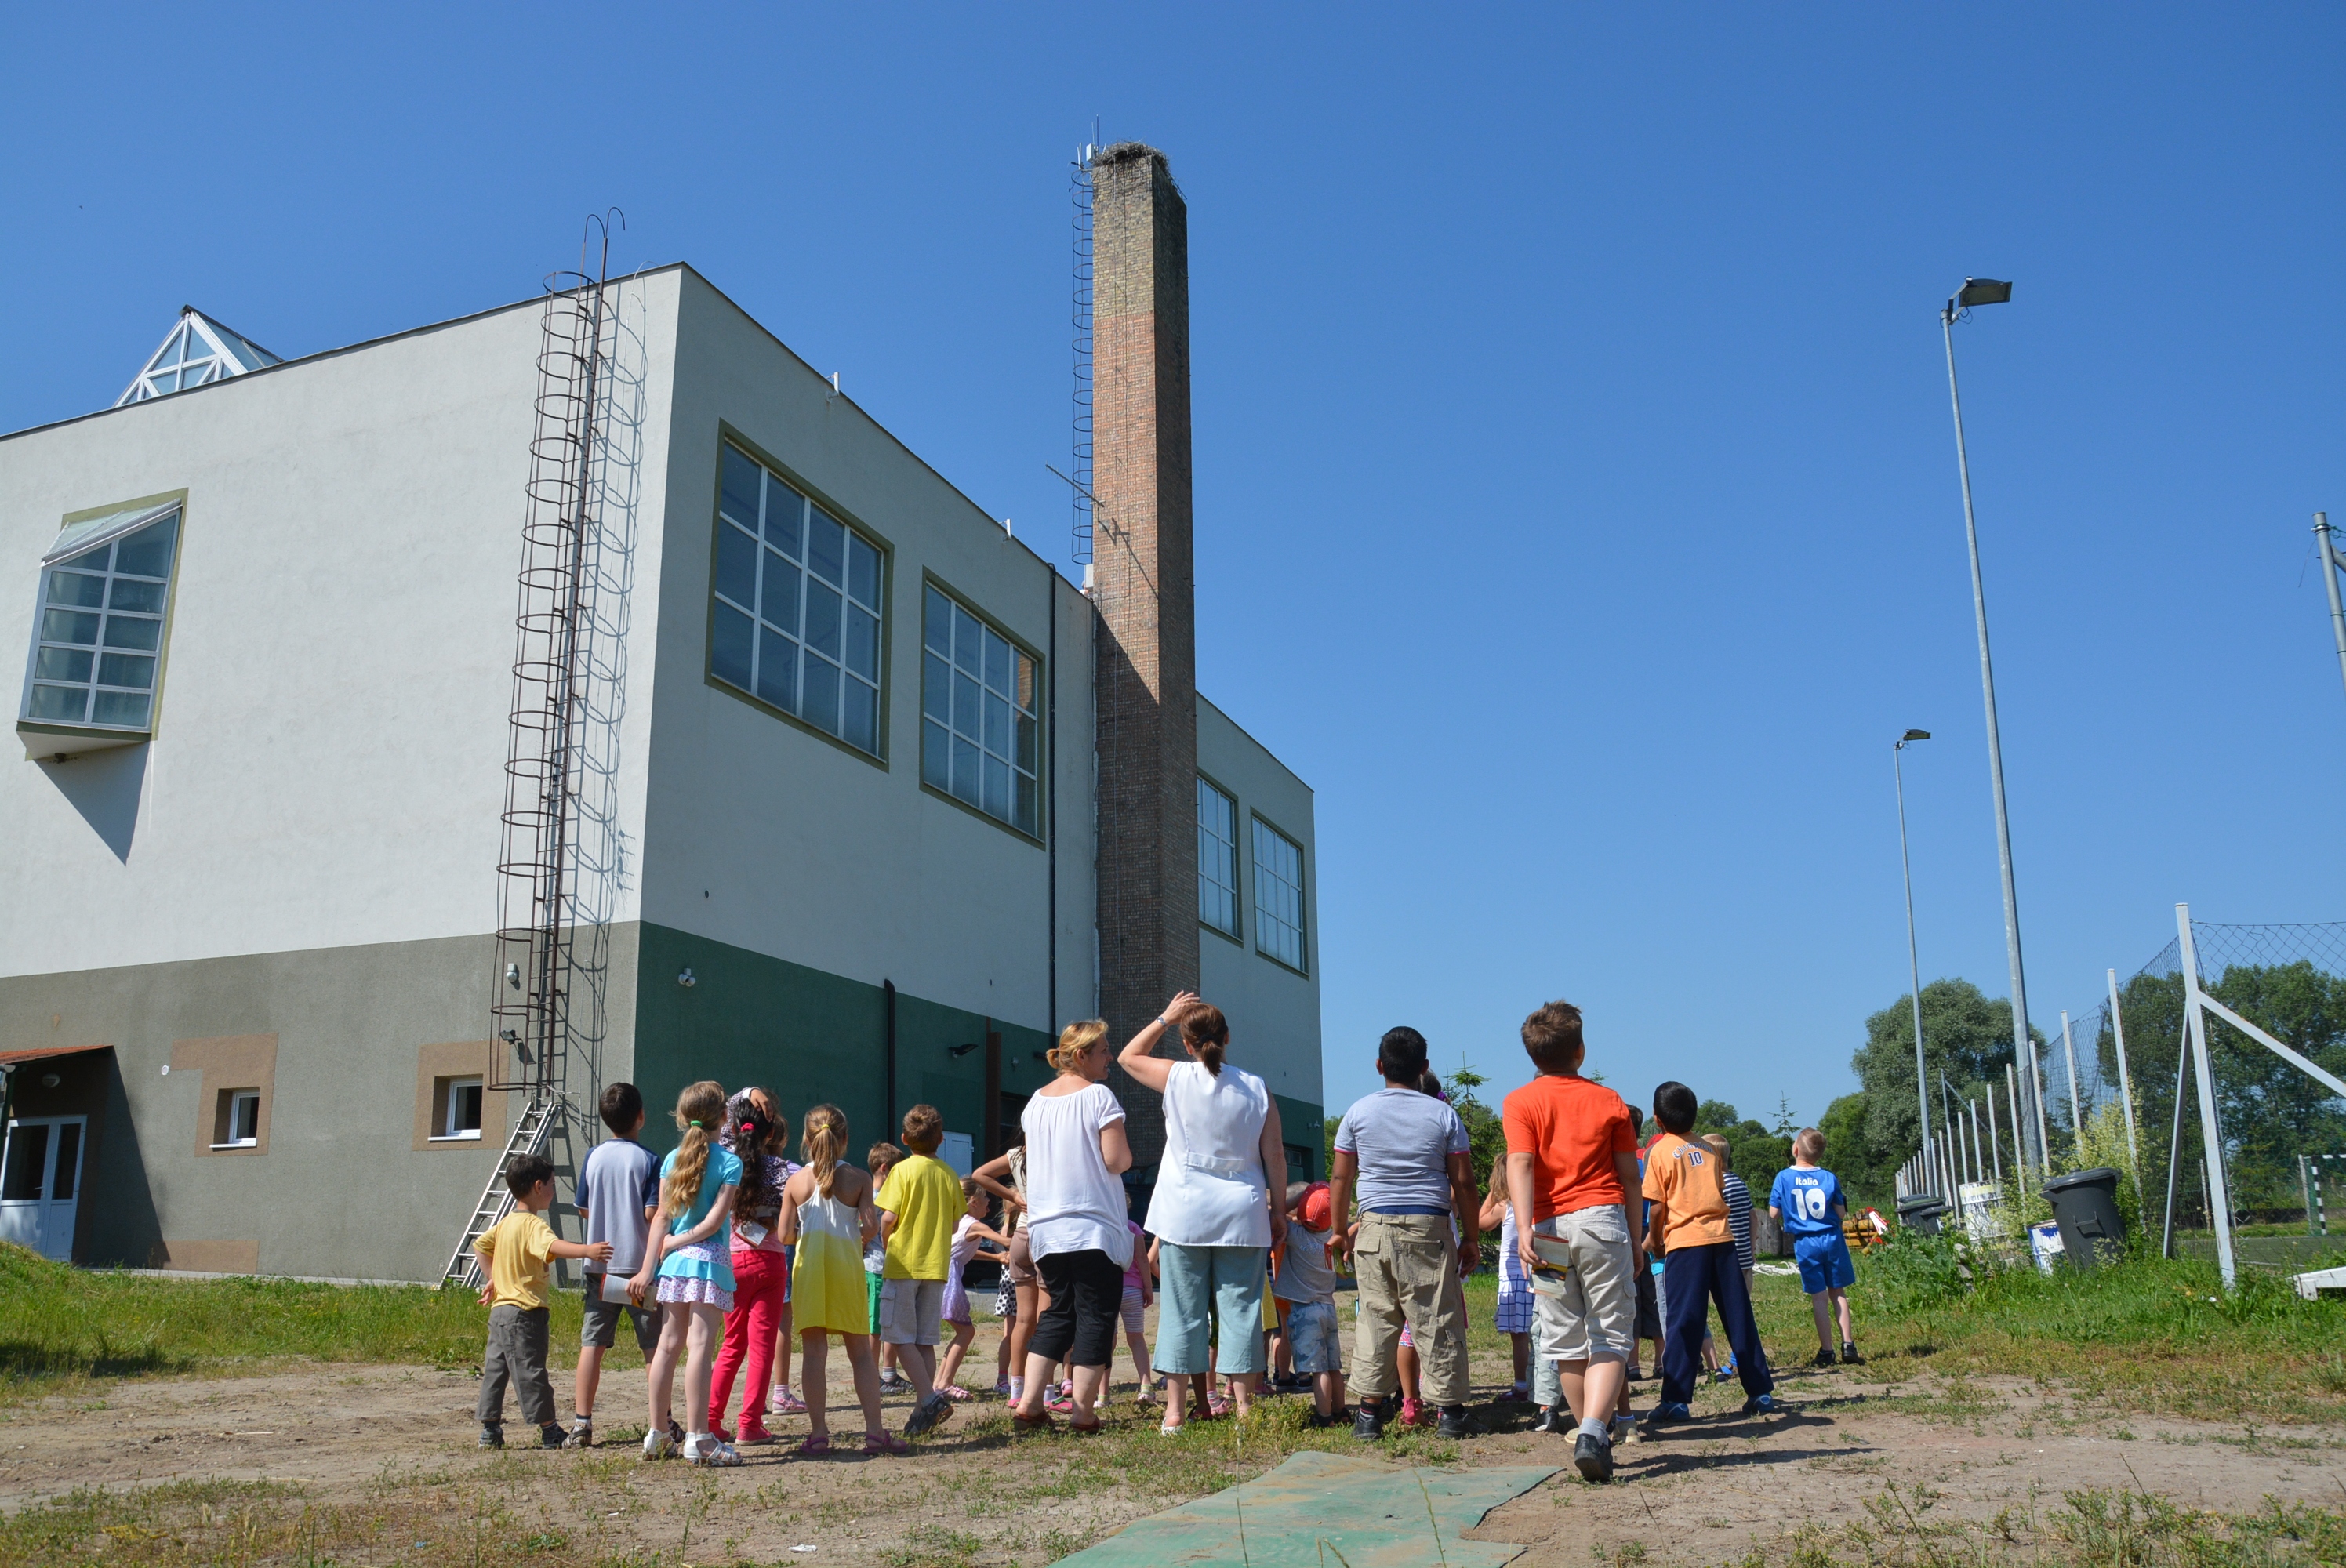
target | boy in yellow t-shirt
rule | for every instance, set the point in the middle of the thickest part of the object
(924, 1196)
(515, 1251)
(1688, 1224)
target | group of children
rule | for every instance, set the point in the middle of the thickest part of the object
(720, 1252)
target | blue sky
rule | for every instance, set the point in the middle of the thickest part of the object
(1576, 504)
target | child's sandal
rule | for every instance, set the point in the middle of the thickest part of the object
(885, 1442)
(814, 1445)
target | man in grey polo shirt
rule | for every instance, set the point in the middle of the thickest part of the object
(1406, 1152)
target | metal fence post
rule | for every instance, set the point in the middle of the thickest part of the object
(2220, 1197)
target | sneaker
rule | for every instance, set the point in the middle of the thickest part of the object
(1727, 1365)
(1593, 1457)
(753, 1434)
(492, 1435)
(711, 1450)
(1762, 1405)
(1455, 1422)
(892, 1382)
(720, 1431)
(1519, 1391)
(582, 1435)
(1625, 1429)
(1413, 1412)
(1369, 1420)
(785, 1403)
(1556, 1419)
(1669, 1413)
(551, 1435)
(931, 1413)
(1722, 1374)
(1313, 1419)
(1002, 1387)
(1825, 1359)
(658, 1444)
(1848, 1356)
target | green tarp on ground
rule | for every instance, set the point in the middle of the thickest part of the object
(1370, 1513)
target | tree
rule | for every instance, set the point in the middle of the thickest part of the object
(1966, 1035)
(1756, 1151)
(1486, 1133)
(1848, 1156)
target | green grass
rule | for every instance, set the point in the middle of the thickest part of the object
(2103, 1529)
(2161, 1338)
(64, 1324)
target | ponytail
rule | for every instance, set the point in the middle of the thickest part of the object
(1206, 1032)
(824, 1141)
(699, 1113)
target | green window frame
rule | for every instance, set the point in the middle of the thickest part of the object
(796, 604)
(981, 714)
(1279, 933)
(1218, 860)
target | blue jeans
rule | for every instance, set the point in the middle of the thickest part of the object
(1198, 1283)
(1695, 1276)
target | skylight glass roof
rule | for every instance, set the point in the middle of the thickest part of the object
(197, 350)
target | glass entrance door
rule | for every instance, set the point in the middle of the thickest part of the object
(40, 1182)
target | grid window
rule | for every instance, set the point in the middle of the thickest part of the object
(100, 632)
(981, 741)
(1218, 860)
(1278, 895)
(795, 613)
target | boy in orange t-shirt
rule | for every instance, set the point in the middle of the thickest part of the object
(1688, 1224)
(1572, 1166)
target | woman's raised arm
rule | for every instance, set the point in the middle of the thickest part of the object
(1149, 1070)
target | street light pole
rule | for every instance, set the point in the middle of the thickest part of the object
(1914, 964)
(2329, 567)
(1989, 291)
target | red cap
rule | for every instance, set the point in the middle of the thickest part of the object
(1317, 1210)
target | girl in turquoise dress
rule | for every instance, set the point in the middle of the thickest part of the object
(698, 1182)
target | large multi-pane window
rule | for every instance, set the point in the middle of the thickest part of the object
(100, 631)
(980, 734)
(1278, 895)
(1218, 860)
(795, 617)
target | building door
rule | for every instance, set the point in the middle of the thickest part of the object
(40, 1182)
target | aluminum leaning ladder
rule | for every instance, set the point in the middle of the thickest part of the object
(529, 1133)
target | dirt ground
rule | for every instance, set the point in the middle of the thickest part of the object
(399, 1442)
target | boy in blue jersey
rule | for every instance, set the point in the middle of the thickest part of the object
(1807, 1202)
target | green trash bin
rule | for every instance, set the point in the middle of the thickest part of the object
(1920, 1213)
(2085, 1206)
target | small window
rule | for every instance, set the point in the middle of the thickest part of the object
(1298, 1162)
(237, 1124)
(1277, 896)
(1218, 860)
(981, 732)
(99, 633)
(794, 610)
(460, 1108)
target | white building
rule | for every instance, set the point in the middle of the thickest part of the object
(247, 951)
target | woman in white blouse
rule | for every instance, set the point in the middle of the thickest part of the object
(1077, 1215)
(1214, 1210)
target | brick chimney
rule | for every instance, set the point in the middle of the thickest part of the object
(1146, 679)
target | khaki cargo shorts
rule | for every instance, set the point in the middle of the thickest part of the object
(1589, 1313)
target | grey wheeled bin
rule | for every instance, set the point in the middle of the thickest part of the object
(2085, 1206)
(1920, 1213)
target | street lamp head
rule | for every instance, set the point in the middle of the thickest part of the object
(1975, 291)
(1914, 735)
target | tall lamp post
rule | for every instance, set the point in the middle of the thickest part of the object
(1991, 292)
(1914, 964)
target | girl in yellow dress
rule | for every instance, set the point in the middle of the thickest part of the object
(827, 1212)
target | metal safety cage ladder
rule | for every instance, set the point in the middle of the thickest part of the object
(539, 966)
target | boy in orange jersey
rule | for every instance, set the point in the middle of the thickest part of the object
(1688, 1225)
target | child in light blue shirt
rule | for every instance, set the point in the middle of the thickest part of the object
(1807, 1202)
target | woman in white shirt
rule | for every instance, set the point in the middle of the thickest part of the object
(1212, 1210)
(1075, 1214)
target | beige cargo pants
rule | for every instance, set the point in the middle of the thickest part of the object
(1407, 1265)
